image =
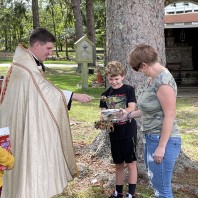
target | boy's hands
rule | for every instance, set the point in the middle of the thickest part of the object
(125, 115)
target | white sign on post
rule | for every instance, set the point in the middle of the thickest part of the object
(84, 55)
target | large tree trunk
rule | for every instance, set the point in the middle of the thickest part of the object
(35, 13)
(91, 26)
(130, 23)
(78, 22)
(78, 18)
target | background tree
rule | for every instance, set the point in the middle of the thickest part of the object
(35, 14)
(51, 9)
(91, 26)
(59, 16)
(67, 35)
(100, 20)
(77, 18)
(18, 17)
(5, 26)
(12, 27)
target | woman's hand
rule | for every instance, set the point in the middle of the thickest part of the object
(159, 154)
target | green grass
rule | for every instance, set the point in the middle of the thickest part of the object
(188, 125)
(3, 71)
(190, 145)
(68, 78)
(7, 60)
(186, 112)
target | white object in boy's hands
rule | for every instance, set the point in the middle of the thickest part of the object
(114, 115)
(107, 112)
(4, 131)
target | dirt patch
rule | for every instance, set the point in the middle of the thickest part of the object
(99, 175)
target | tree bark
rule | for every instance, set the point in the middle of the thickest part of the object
(6, 39)
(78, 18)
(78, 23)
(35, 14)
(130, 23)
(91, 26)
(54, 25)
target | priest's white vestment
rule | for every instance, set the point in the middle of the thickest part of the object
(36, 112)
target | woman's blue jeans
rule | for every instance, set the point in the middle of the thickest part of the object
(160, 175)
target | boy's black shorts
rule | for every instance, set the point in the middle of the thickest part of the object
(124, 150)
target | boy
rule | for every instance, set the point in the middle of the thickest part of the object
(123, 138)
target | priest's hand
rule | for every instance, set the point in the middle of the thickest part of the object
(81, 97)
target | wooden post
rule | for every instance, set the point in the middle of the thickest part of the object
(85, 76)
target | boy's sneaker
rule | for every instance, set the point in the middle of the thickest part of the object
(128, 195)
(116, 195)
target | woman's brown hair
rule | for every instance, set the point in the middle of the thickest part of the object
(142, 54)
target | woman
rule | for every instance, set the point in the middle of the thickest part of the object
(157, 108)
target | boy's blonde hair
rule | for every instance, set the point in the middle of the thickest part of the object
(115, 68)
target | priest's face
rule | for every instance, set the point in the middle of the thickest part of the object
(43, 50)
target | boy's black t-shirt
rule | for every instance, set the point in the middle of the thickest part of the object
(116, 99)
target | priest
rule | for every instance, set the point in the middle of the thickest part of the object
(36, 112)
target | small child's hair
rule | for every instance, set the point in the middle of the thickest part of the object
(115, 68)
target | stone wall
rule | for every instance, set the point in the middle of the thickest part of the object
(182, 55)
